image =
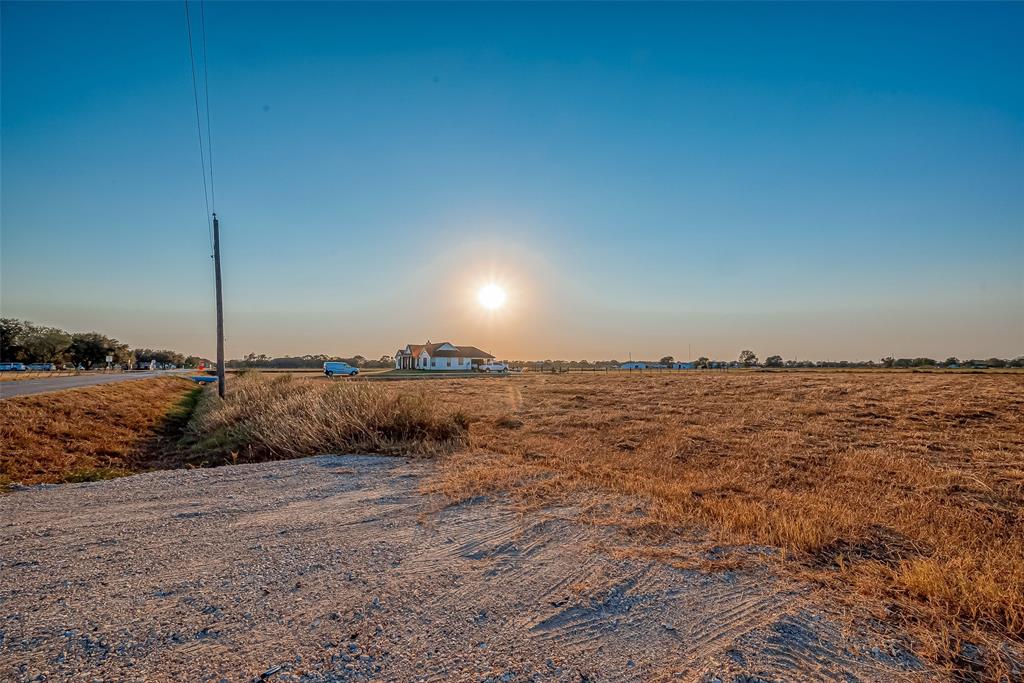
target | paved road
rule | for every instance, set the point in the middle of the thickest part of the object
(42, 386)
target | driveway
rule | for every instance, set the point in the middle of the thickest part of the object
(42, 386)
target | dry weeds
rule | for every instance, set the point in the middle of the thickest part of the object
(280, 416)
(90, 433)
(907, 488)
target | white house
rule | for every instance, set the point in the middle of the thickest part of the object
(443, 356)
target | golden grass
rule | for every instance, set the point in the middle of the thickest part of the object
(90, 433)
(904, 490)
(279, 416)
(908, 487)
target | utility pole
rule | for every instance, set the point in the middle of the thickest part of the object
(220, 307)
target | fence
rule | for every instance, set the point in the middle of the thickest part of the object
(557, 369)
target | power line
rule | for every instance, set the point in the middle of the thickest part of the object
(199, 125)
(208, 194)
(206, 87)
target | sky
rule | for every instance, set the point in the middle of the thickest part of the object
(817, 181)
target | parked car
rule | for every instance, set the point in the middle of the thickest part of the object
(493, 366)
(49, 367)
(9, 367)
(332, 368)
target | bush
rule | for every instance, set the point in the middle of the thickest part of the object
(284, 417)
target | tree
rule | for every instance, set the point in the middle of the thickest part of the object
(44, 344)
(667, 360)
(952, 360)
(748, 358)
(773, 361)
(888, 361)
(11, 330)
(92, 348)
(161, 356)
(703, 362)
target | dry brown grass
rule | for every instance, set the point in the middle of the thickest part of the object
(907, 488)
(280, 416)
(903, 492)
(90, 433)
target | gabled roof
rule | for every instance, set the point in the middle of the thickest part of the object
(456, 351)
(473, 352)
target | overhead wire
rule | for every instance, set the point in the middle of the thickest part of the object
(199, 125)
(206, 88)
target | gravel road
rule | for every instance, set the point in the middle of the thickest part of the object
(337, 569)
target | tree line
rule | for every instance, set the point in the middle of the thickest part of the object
(25, 342)
(262, 360)
(749, 359)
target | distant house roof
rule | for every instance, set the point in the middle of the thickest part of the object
(436, 351)
(462, 352)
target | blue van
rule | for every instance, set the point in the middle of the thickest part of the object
(336, 367)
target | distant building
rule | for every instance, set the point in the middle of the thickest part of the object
(146, 365)
(443, 356)
(633, 365)
(682, 366)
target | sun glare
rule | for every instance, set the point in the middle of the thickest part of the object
(491, 297)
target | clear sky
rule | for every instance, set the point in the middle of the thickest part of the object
(815, 181)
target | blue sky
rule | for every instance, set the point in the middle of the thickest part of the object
(815, 181)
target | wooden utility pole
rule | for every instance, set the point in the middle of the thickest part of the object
(220, 307)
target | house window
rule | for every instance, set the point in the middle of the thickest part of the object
(449, 362)
(433, 362)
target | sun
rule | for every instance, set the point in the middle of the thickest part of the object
(491, 297)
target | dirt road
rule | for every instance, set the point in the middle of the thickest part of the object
(338, 569)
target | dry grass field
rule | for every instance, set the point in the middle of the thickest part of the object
(897, 493)
(905, 490)
(900, 492)
(90, 433)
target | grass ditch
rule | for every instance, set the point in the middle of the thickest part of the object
(93, 433)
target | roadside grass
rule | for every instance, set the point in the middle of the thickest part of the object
(903, 493)
(280, 416)
(92, 433)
